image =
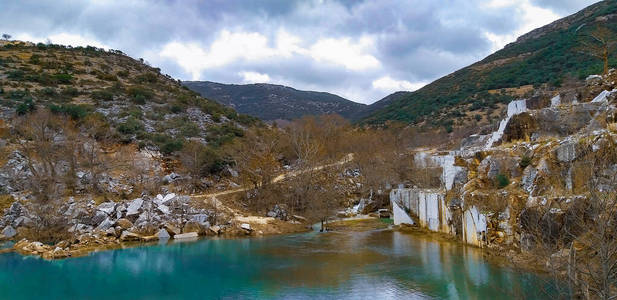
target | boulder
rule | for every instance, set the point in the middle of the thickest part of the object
(57, 253)
(128, 236)
(246, 227)
(134, 207)
(107, 207)
(172, 229)
(98, 218)
(192, 226)
(9, 232)
(529, 176)
(163, 234)
(188, 235)
(215, 229)
(566, 152)
(163, 209)
(22, 221)
(124, 223)
(201, 219)
(299, 218)
(106, 224)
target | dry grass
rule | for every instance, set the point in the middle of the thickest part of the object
(5, 202)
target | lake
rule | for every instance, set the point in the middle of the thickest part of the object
(334, 265)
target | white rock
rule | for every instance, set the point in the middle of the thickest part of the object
(163, 208)
(107, 207)
(168, 197)
(246, 226)
(188, 235)
(106, 224)
(163, 234)
(9, 232)
(134, 207)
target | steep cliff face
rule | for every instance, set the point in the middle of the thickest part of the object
(546, 160)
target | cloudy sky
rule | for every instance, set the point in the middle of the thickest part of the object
(360, 49)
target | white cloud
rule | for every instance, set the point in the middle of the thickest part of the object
(344, 52)
(532, 17)
(389, 84)
(232, 47)
(63, 39)
(254, 77)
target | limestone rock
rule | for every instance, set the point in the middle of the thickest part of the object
(106, 224)
(192, 226)
(188, 235)
(9, 232)
(163, 234)
(98, 218)
(124, 223)
(566, 152)
(128, 236)
(529, 176)
(173, 230)
(134, 207)
(107, 207)
(215, 229)
(246, 226)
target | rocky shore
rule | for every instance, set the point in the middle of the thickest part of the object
(111, 225)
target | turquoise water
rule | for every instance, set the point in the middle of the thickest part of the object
(350, 265)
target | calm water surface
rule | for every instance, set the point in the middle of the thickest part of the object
(338, 265)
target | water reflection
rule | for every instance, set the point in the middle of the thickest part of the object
(337, 265)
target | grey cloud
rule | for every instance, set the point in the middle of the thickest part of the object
(416, 40)
(564, 6)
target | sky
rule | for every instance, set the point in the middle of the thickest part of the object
(362, 50)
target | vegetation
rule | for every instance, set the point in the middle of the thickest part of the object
(547, 59)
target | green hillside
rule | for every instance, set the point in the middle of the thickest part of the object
(544, 57)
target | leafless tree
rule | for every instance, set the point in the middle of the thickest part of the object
(599, 43)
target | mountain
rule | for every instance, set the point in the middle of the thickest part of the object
(128, 100)
(272, 102)
(545, 58)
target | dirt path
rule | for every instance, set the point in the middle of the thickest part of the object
(348, 158)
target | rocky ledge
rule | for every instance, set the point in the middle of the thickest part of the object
(111, 225)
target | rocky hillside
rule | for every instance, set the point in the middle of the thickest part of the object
(272, 102)
(545, 58)
(543, 183)
(130, 100)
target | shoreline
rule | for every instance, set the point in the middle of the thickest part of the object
(95, 243)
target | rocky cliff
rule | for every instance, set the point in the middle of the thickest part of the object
(551, 154)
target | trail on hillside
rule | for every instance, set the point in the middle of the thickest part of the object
(348, 158)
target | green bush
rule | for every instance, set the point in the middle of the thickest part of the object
(75, 111)
(102, 95)
(130, 126)
(25, 107)
(63, 78)
(502, 180)
(525, 161)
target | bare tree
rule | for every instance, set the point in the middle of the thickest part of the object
(6, 36)
(599, 43)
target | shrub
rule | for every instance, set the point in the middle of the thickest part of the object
(502, 180)
(25, 107)
(75, 111)
(102, 95)
(63, 78)
(140, 94)
(130, 126)
(525, 161)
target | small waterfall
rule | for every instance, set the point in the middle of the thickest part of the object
(514, 108)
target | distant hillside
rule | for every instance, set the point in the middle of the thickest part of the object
(126, 99)
(544, 58)
(272, 102)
